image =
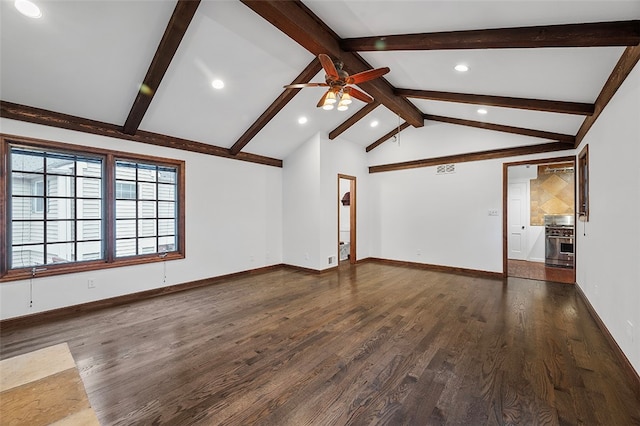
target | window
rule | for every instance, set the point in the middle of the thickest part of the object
(70, 210)
(145, 208)
(583, 184)
(70, 224)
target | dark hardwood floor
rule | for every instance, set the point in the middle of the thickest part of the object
(539, 271)
(367, 344)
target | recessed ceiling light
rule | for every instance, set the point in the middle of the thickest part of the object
(302, 120)
(461, 68)
(374, 123)
(217, 84)
(482, 111)
(28, 9)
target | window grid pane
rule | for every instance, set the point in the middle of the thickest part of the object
(145, 193)
(46, 193)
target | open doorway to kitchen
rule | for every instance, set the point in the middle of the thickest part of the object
(346, 219)
(539, 219)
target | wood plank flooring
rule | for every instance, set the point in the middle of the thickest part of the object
(364, 344)
(539, 271)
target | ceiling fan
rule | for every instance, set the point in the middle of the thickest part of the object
(339, 83)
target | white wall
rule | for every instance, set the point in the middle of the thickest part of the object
(233, 223)
(608, 256)
(302, 207)
(310, 195)
(440, 219)
(340, 156)
(419, 216)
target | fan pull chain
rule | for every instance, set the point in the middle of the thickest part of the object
(163, 256)
(33, 274)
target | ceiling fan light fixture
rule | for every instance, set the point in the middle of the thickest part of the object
(327, 107)
(342, 107)
(331, 98)
(345, 99)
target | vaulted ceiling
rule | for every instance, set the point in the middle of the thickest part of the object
(142, 70)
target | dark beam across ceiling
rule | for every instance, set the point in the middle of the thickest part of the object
(501, 101)
(359, 115)
(70, 122)
(305, 76)
(301, 25)
(387, 136)
(501, 128)
(176, 28)
(619, 33)
(626, 63)
(474, 156)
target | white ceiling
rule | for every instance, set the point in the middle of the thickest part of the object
(88, 58)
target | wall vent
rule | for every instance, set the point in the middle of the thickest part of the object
(444, 169)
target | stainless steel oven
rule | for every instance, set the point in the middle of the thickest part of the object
(559, 241)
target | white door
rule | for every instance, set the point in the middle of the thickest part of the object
(516, 220)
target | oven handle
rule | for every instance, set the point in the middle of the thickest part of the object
(559, 236)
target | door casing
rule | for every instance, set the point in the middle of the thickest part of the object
(505, 203)
(352, 217)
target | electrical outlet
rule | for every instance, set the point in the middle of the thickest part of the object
(331, 260)
(418, 252)
(91, 283)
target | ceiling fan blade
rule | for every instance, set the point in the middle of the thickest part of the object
(367, 75)
(321, 103)
(329, 67)
(303, 85)
(355, 93)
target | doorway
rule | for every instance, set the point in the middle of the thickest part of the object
(532, 190)
(346, 219)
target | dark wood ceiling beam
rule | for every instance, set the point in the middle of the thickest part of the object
(475, 156)
(173, 34)
(502, 128)
(305, 76)
(302, 26)
(359, 115)
(70, 122)
(619, 33)
(387, 136)
(626, 63)
(501, 101)
(296, 21)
